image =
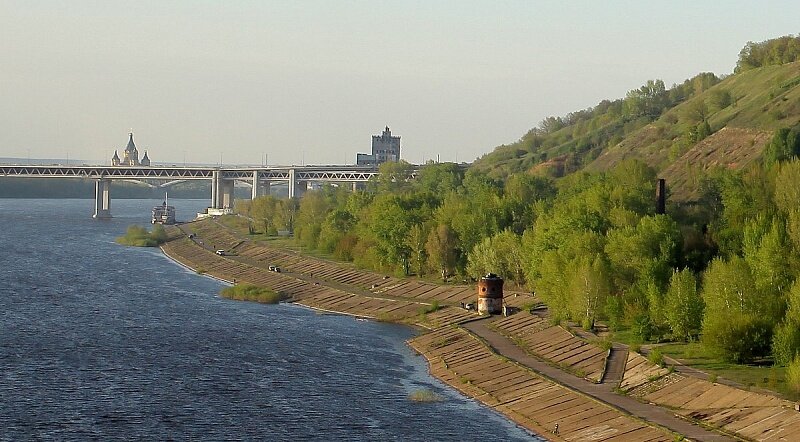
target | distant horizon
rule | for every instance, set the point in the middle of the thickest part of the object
(453, 81)
(84, 162)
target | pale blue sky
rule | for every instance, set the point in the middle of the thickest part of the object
(311, 81)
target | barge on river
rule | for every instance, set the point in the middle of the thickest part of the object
(164, 214)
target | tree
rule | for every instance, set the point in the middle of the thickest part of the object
(649, 100)
(264, 211)
(439, 178)
(588, 289)
(520, 194)
(417, 237)
(394, 176)
(500, 254)
(337, 224)
(683, 305)
(736, 323)
(314, 208)
(441, 251)
(778, 150)
(645, 253)
(786, 341)
(391, 217)
(720, 99)
(766, 249)
(287, 213)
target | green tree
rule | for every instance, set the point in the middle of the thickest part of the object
(441, 249)
(264, 211)
(417, 237)
(720, 99)
(588, 289)
(336, 225)
(314, 208)
(440, 178)
(683, 305)
(736, 323)
(766, 249)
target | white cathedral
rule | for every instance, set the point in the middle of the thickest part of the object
(130, 156)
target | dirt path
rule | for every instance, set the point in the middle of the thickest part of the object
(602, 392)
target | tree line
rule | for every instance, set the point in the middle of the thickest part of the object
(723, 270)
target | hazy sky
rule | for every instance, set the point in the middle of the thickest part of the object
(311, 81)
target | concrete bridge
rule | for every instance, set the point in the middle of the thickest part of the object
(222, 178)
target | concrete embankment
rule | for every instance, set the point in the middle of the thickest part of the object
(465, 362)
(455, 355)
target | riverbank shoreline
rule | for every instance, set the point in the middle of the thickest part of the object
(379, 298)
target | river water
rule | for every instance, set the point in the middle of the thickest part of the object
(104, 342)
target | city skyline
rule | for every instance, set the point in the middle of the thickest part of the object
(312, 82)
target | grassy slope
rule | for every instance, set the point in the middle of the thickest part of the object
(764, 99)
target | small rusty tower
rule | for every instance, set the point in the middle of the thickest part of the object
(490, 295)
(661, 197)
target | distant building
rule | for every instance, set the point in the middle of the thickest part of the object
(130, 156)
(385, 147)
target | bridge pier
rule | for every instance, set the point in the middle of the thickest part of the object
(256, 185)
(215, 189)
(226, 194)
(102, 199)
(296, 188)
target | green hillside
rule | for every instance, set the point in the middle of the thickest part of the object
(704, 122)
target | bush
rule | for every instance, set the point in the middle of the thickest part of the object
(785, 342)
(642, 328)
(424, 395)
(793, 375)
(138, 236)
(656, 357)
(430, 309)
(249, 292)
(739, 338)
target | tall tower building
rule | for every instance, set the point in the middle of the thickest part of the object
(385, 147)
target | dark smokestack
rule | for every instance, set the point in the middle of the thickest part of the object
(661, 197)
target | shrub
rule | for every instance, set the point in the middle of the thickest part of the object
(642, 327)
(656, 357)
(785, 342)
(138, 236)
(793, 375)
(430, 309)
(739, 338)
(249, 292)
(424, 395)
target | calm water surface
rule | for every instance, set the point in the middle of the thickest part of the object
(104, 342)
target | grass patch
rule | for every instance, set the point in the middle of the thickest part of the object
(603, 343)
(424, 395)
(249, 292)
(236, 223)
(655, 356)
(138, 236)
(760, 374)
(434, 306)
(443, 342)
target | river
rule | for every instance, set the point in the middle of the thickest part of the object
(104, 342)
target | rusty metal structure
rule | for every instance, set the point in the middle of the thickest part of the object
(490, 295)
(661, 197)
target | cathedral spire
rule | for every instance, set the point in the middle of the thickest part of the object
(131, 146)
